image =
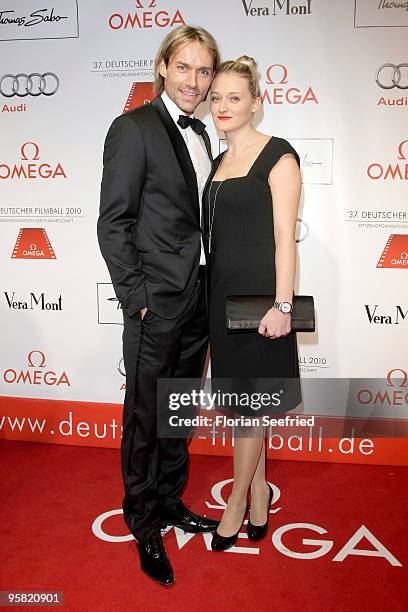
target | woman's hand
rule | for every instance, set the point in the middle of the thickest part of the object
(274, 324)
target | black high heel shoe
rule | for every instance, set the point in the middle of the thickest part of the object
(220, 542)
(257, 532)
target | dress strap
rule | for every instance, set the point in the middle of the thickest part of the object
(275, 149)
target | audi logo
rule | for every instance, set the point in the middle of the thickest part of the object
(388, 79)
(34, 84)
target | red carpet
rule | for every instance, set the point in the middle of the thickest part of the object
(51, 496)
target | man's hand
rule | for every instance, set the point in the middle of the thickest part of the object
(143, 312)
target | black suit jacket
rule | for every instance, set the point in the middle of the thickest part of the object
(149, 223)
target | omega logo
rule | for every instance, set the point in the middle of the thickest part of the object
(36, 155)
(145, 18)
(37, 375)
(41, 363)
(396, 396)
(149, 4)
(403, 379)
(30, 152)
(277, 74)
(350, 548)
(391, 171)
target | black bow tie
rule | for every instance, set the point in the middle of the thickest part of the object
(184, 121)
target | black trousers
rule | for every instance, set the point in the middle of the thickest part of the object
(154, 469)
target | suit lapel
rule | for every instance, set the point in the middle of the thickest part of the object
(181, 152)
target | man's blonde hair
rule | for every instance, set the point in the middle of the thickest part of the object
(177, 38)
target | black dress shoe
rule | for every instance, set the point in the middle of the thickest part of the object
(220, 542)
(257, 532)
(153, 559)
(180, 516)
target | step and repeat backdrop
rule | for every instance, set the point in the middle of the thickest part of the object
(334, 80)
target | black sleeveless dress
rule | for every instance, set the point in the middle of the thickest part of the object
(242, 262)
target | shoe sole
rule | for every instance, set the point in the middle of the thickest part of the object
(223, 549)
(184, 528)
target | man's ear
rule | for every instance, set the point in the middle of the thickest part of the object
(162, 68)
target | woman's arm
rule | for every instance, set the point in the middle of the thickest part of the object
(285, 184)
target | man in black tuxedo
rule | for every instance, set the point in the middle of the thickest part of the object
(157, 159)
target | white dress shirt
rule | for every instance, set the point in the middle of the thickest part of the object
(198, 153)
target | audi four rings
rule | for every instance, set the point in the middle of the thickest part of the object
(393, 79)
(34, 84)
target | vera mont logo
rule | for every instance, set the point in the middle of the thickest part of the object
(287, 7)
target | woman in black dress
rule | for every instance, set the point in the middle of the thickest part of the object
(251, 207)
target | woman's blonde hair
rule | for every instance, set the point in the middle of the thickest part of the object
(246, 67)
(177, 38)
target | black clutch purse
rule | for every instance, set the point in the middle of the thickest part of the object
(244, 312)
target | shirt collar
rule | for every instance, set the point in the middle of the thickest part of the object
(172, 107)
